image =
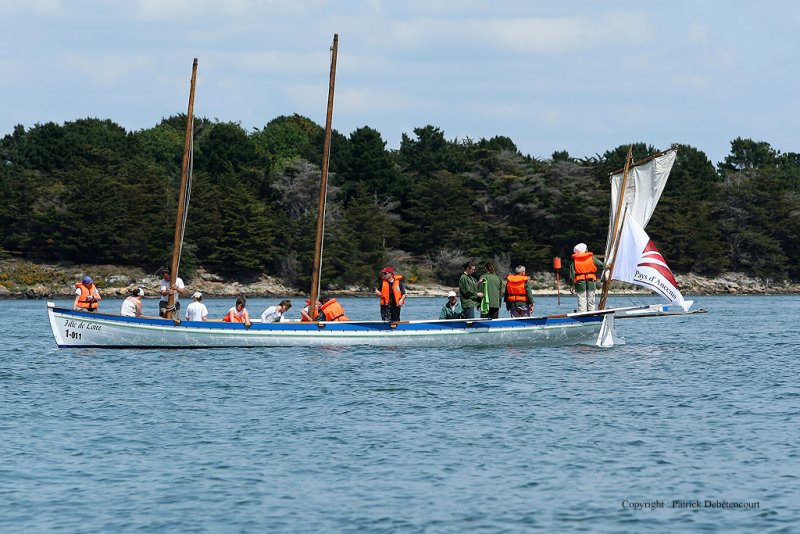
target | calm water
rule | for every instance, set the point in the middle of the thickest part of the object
(500, 440)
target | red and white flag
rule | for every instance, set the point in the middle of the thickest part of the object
(639, 262)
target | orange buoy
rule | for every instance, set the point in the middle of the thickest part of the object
(557, 268)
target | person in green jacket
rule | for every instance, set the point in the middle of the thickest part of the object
(492, 288)
(470, 296)
(451, 308)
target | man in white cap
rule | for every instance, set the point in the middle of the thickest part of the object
(584, 272)
(451, 308)
(197, 311)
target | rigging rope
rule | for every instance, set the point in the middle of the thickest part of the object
(322, 239)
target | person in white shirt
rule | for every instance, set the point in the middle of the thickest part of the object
(238, 314)
(197, 311)
(275, 314)
(168, 288)
(132, 305)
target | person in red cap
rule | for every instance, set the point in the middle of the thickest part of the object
(392, 293)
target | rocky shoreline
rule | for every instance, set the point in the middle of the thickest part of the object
(26, 280)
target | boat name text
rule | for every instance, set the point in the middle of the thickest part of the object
(76, 325)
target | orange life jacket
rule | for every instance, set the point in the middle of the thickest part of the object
(333, 311)
(584, 266)
(399, 297)
(233, 317)
(307, 309)
(515, 288)
(83, 300)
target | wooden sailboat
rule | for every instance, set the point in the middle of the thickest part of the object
(73, 328)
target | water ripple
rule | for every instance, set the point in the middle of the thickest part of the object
(358, 439)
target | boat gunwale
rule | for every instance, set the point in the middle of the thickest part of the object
(420, 325)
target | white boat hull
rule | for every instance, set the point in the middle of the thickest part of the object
(83, 329)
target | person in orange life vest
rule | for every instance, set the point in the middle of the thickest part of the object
(87, 297)
(305, 315)
(238, 314)
(584, 272)
(331, 310)
(518, 294)
(392, 293)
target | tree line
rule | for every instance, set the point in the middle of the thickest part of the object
(89, 191)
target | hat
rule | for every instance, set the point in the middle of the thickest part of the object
(140, 292)
(519, 269)
(87, 280)
(451, 294)
(388, 270)
(579, 248)
(197, 295)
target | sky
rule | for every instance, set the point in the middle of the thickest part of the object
(585, 76)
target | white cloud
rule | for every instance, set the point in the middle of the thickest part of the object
(105, 70)
(12, 72)
(525, 35)
(694, 83)
(567, 34)
(535, 35)
(165, 10)
(275, 60)
(494, 110)
(42, 7)
(370, 100)
(697, 33)
(549, 70)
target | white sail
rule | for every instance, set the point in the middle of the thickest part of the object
(643, 189)
(639, 262)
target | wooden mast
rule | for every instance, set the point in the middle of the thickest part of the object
(323, 186)
(181, 218)
(614, 237)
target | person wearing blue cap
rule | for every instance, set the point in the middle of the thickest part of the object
(87, 298)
